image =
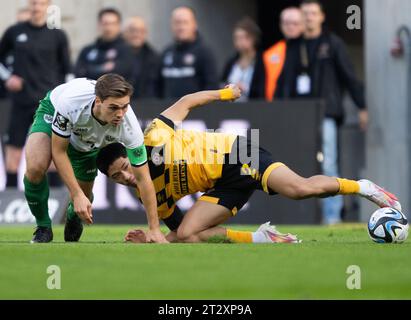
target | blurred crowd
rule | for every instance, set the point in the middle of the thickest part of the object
(310, 62)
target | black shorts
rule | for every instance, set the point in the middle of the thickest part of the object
(21, 118)
(174, 220)
(241, 177)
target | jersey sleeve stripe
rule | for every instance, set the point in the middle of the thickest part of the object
(139, 165)
(167, 121)
(61, 135)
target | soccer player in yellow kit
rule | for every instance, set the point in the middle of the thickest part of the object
(184, 162)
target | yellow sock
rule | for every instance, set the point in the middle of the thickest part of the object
(240, 236)
(348, 186)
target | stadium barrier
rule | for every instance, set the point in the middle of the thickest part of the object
(290, 130)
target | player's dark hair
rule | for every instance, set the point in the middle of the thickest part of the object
(112, 85)
(108, 155)
(104, 11)
(317, 2)
(250, 26)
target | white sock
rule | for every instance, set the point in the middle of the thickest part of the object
(259, 237)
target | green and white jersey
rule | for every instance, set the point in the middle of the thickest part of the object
(73, 119)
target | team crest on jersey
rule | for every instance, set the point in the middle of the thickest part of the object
(189, 59)
(157, 159)
(111, 54)
(48, 118)
(22, 37)
(324, 51)
(92, 55)
(110, 138)
(60, 122)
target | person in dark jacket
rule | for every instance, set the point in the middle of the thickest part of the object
(109, 54)
(146, 59)
(187, 65)
(246, 67)
(40, 60)
(318, 66)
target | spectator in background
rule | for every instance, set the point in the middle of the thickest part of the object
(246, 68)
(146, 59)
(40, 62)
(187, 65)
(318, 66)
(23, 15)
(292, 26)
(110, 53)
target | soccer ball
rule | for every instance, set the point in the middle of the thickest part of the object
(388, 225)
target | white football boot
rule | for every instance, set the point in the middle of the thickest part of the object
(272, 234)
(378, 195)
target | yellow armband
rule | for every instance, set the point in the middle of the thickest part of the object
(226, 94)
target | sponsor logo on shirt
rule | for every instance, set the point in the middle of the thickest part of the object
(80, 131)
(22, 37)
(110, 138)
(184, 72)
(60, 122)
(189, 59)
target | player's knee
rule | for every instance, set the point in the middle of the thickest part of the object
(35, 173)
(184, 234)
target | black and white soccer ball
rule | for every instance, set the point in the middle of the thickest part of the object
(388, 225)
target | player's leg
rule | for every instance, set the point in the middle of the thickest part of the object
(203, 215)
(202, 222)
(38, 158)
(13, 157)
(36, 188)
(19, 123)
(286, 182)
(331, 206)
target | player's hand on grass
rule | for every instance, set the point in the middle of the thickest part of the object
(135, 236)
(82, 207)
(156, 236)
(236, 90)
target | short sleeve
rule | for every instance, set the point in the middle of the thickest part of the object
(132, 136)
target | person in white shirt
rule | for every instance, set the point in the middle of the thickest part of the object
(72, 123)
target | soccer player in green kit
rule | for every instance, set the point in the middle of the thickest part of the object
(72, 123)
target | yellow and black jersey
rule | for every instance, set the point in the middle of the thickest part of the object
(183, 162)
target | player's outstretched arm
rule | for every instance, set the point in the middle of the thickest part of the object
(180, 110)
(148, 197)
(82, 205)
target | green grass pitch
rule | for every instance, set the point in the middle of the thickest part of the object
(101, 266)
